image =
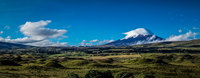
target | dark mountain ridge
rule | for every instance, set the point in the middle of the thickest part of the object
(6, 45)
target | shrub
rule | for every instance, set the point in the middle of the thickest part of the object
(77, 62)
(108, 60)
(34, 67)
(98, 65)
(98, 74)
(93, 74)
(8, 63)
(40, 61)
(54, 65)
(185, 57)
(107, 74)
(72, 75)
(124, 75)
(149, 61)
(142, 75)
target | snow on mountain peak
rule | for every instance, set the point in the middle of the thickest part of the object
(136, 32)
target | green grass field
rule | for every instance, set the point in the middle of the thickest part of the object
(157, 65)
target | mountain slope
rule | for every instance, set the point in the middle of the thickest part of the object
(5, 45)
(134, 37)
(134, 41)
(192, 44)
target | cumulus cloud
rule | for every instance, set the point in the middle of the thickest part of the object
(85, 43)
(183, 37)
(1, 32)
(7, 27)
(179, 30)
(36, 32)
(96, 40)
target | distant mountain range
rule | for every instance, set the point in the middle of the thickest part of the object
(192, 44)
(6, 45)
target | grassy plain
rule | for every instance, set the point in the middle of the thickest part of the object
(158, 65)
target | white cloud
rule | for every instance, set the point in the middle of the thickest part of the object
(1, 32)
(85, 43)
(195, 27)
(7, 27)
(179, 30)
(48, 43)
(182, 37)
(19, 40)
(35, 33)
(92, 42)
(96, 40)
(105, 41)
(149, 40)
(8, 37)
(36, 30)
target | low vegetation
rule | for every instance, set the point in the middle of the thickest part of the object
(141, 61)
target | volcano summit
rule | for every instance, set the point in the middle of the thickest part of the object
(134, 37)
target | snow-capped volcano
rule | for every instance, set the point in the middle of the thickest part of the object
(135, 33)
(134, 37)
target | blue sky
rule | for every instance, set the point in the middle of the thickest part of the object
(100, 20)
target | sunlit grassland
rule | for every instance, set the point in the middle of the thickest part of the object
(173, 65)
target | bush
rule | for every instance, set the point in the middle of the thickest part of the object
(40, 61)
(98, 74)
(54, 65)
(8, 63)
(124, 75)
(107, 74)
(185, 57)
(142, 75)
(98, 65)
(108, 60)
(77, 62)
(72, 75)
(149, 61)
(34, 67)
